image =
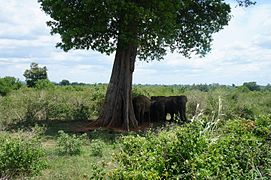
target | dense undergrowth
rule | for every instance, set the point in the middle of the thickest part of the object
(234, 149)
(229, 137)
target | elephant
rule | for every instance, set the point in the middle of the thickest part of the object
(181, 106)
(142, 106)
(162, 105)
(158, 110)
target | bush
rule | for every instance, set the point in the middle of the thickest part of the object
(20, 156)
(70, 144)
(97, 147)
(166, 155)
(81, 112)
(7, 84)
(44, 84)
(239, 152)
(263, 127)
(236, 149)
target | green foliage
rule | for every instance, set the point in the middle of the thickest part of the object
(268, 87)
(70, 144)
(44, 84)
(263, 127)
(7, 84)
(59, 103)
(64, 82)
(98, 172)
(164, 155)
(97, 147)
(34, 74)
(21, 155)
(236, 149)
(184, 26)
(252, 86)
(81, 112)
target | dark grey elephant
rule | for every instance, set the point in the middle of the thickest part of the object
(181, 106)
(158, 113)
(142, 106)
(174, 105)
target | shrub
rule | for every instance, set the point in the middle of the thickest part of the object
(20, 156)
(166, 155)
(245, 112)
(44, 84)
(7, 84)
(97, 147)
(263, 127)
(236, 149)
(70, 144)
(98, 171)
(81, 112)
(239, 152)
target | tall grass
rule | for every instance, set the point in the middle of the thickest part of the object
(84, 102)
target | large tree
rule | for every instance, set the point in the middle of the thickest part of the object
(145, 29)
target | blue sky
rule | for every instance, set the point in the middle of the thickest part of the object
(240, 53)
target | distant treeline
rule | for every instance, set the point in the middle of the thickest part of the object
(7, 84)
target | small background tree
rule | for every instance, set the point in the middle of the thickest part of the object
(64, 82)
(252, 86)
(34, 74)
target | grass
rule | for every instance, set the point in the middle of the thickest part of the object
(78, 166)
(73, 167)
(93, 166)
(230, 106)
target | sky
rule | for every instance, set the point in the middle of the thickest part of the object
(241, 52)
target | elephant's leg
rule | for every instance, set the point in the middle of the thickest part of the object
(142, 115)
(171, 116)
(164, 118)
(149, 117)
(137, 114)
(183, 114)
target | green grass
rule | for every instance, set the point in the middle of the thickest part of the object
(78, 166)
(73, 167)
(226, 114)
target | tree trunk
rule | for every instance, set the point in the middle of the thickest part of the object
(118, 109)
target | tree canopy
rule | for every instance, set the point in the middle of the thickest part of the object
(153, 26)
(34, 74)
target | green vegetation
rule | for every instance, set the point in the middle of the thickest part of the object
(58, 103)
(7, 84)
(34, 74)
(230, 150)
(64, 82)
(229, 137)
(70, 144)
(21, 154)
